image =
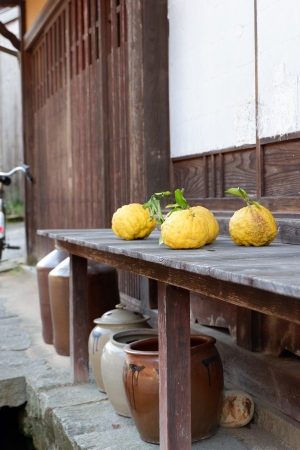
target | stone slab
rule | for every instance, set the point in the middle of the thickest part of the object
(11, 336)
(67, 396)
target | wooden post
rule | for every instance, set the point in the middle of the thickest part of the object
(248, 329)
(174, 369)
(79, 332)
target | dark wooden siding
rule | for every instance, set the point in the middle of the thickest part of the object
(91, 137)
(206, 177)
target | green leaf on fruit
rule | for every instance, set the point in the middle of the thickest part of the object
(180, 200)
(238, 191)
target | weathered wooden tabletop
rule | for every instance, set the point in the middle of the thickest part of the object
(265, 279)
(274, 268)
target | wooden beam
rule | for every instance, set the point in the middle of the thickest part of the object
(37, 27)
(9, 3)
(8, 51)
(10, 36)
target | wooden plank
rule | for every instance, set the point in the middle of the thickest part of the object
(279, 335)
(215, 152)
(282, 159)
(190, 175)
(213, 176)
(79, 328)
(174, 354)
(282, 203)
(268, 296)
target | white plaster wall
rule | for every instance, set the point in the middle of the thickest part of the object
(11, 147)
(278, 66)
(211, 66)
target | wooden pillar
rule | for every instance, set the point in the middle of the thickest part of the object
(79, 332)
(174, 369)
(148, 98)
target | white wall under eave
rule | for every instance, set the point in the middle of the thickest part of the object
(278, 66)
(211, 66)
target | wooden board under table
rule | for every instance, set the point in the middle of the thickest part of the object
(264, 279)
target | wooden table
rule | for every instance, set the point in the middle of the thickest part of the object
(264, 279)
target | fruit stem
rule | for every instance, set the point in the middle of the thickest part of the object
(241, 193)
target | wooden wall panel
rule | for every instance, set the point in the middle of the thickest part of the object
(239, 170)
(67, 161)
(190, 175)
(282, 169)
(206, 177)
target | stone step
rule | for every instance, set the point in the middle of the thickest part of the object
(62, 416)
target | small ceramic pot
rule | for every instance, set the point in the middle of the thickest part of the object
(112, 362)
(141, 382)
(43, 268)
(111, 322)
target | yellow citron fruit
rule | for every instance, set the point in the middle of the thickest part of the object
(132, 222)
(212, 223)
(184, 229)
(252, 225)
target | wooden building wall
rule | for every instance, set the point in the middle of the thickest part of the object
(96, 114)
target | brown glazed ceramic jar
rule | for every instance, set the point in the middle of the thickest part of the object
(141, 382)
(103, 294)
(43, 268)
(112, 362)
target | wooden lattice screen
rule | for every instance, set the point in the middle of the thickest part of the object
(69, 162)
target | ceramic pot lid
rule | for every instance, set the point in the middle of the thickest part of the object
(121, 315)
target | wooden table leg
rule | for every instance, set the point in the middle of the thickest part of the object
(79, 332)
(174, 369)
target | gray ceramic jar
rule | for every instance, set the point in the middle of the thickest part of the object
(109, 323)
(112, 363)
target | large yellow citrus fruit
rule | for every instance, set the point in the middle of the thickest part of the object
(184, 229)
(132, 222)
(252, 225)
(213, 225)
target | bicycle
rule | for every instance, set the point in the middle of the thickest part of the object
(5, 181)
